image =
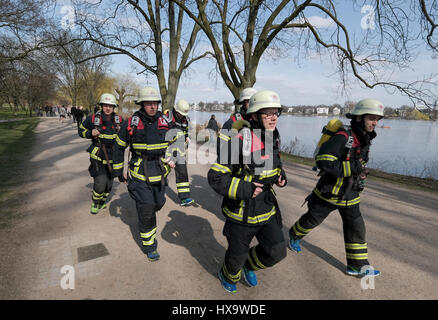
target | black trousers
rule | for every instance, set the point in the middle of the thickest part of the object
(182, 181)
(103, 183)
(353, 227)
(270, 250)
(149, 198)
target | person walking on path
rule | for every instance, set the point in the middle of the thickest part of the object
(178, 117)
(240, 114)
(213, 129)
(146, 135)
(342, 161)
(249, 203)
(102, 129)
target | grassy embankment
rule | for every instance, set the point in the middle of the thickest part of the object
(17, 138)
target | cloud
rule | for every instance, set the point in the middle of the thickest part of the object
(320, 22)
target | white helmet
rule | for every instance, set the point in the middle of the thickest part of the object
(263, 100)
(246, 94)
(367, 106)
(108, 98)
(182, 107)
(147, 94)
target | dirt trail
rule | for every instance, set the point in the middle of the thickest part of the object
(54, 221)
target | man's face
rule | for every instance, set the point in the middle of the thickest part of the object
(150, 107)
(245, 104)
(178, 115)
(370, 122)
(107, 109)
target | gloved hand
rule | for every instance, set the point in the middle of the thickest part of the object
(362, 179)
(356, 167)
(122, 179)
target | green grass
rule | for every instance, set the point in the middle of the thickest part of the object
(17, 139)
(7, 113)
(425, 184)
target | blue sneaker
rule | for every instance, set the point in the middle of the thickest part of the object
(294, 245)
(186, 202)
(364, 271)
(250, 277)
(153, 256)
(229, 287)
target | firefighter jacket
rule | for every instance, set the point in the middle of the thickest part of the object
(253, 156)
(179, 132)
(147, 138)
(341, 166)
(225, 134)
(102, 147)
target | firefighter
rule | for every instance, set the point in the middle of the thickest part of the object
(178, 117)
(341, 161)
(145, 132)
(245, 180)
(101, 128)
(240, 113)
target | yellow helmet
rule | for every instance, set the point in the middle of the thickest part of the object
(182, 107)
(367, 106)
(263, 100)
(246, 94)
(147, 94)
(108, 98)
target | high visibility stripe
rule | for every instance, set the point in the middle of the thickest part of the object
(298, 233)
(335, 201)
(236, 216)
(356, 246)
(235, 277)
(93, 156)
(252, 220)
(144, 146)
(149, 242)
(253, 254)
(182, 184)
(97, 196)
(224, 137)
(338, 185)
(232, 191)
(183, 190)
(120, 142)
(108, 136)
(84, 132)
(220, 168)
(327, 157)
(357, 256)
(143, 178)
(118, 166)
(148, 234)
(248, 178)
(347, 168)
(269, 173)
(262, 217)
(302, 229)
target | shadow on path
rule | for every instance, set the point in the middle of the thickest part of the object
(196, 235)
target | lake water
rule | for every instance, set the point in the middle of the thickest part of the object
(407, 147)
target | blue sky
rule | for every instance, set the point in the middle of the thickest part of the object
(312, 81)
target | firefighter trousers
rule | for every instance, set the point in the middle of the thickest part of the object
(270, 250)
(149, 198)
(103, 183)
(182, 181)
(353, 226)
